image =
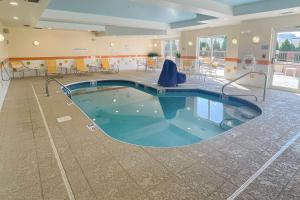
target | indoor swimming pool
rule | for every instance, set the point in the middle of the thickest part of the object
(143, 115)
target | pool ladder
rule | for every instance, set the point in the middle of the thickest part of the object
(224, 95)
(223, 124)
(49, 80)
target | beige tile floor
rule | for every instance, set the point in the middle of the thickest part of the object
(98, 167)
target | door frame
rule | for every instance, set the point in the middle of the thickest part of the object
(273, 53)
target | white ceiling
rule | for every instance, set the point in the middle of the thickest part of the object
(45, 15)
(27, 12)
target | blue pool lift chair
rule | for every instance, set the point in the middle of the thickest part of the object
(169, 76)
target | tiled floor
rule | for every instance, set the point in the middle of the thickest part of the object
(98, 167)
(289, 82)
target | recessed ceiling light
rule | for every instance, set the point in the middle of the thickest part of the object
(16, 18)
(13, 3)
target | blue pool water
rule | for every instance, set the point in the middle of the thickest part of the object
(135, 114)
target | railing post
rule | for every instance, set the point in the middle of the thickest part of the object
(2, 70)
(265, 87)
(46, 83)
(48, 80)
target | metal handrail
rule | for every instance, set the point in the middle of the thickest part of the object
(2, 66)
(48, 80)
(240, 77)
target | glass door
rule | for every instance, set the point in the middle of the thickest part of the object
(166, 48)
(212, 53)
(205, 47)
(286, 66)
(170, 48)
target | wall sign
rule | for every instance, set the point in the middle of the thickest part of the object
(80, 49)
(265, 47)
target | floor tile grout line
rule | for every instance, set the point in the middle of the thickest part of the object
(75, 157)
(264, 167)
(279, 147)
(55, 152)
(284, 186)
(170, 171)
(36, 151)
(125, 170)
(111, 154)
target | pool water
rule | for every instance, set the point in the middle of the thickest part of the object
(140, 117)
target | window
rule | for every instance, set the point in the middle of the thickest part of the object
(170, 48)
(212, 47)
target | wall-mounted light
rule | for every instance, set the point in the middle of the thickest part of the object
(2, 38)
(256, 39)
(13, 3)
(36, 43)
(234, 41)
(16, 18)
(155, 45)
(111, 44)
(190, 43)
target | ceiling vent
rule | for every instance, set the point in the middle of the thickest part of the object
(33, 1)
(286, 13)
(5, 30)
(98, 33)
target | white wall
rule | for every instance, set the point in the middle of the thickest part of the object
(244, 32)
(68, 44)
(230, 31)
(72, 43)
(265, 29)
